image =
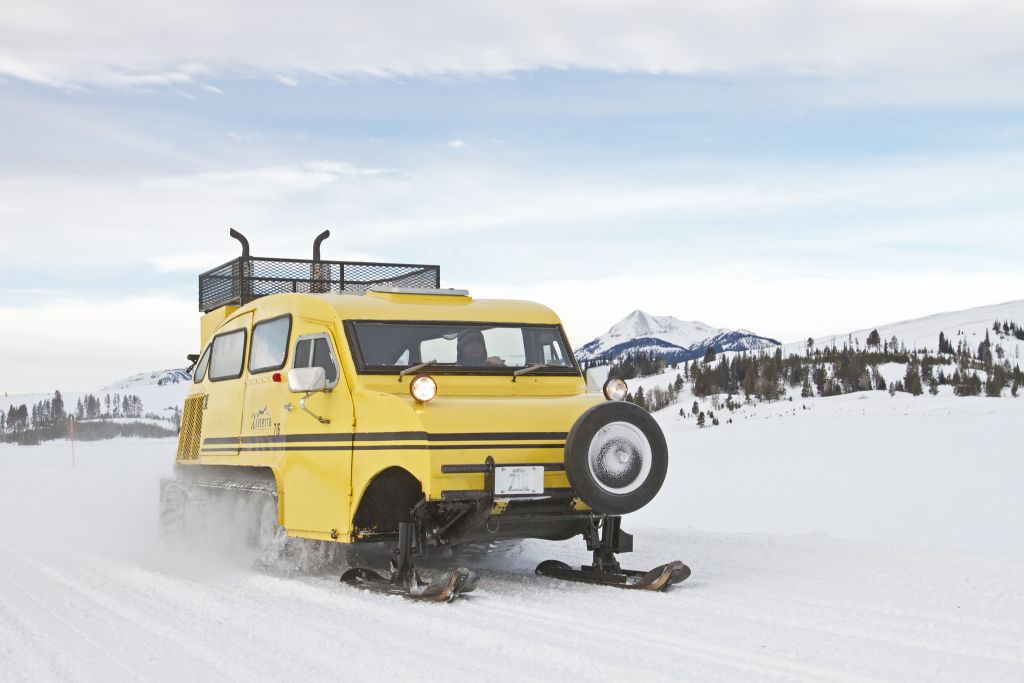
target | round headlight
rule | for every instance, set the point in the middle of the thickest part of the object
(615, 389)
(423, 388)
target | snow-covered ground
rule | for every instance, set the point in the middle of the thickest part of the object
(89, 593)
(967, 325)
(939, 471)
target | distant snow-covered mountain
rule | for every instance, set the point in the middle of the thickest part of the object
(676, 340)
(158, 378)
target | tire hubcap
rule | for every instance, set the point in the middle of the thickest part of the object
(619, 457)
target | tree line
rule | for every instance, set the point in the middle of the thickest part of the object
(834, 369)
(48, 419)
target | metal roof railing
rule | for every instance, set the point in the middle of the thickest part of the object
(247, 278)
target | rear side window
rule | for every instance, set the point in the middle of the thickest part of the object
(200, 374)
(269, 347)
(226, 355)
(315, 351)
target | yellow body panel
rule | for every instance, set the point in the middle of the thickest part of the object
(323, 469)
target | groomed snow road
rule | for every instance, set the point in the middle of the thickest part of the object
(88, 593)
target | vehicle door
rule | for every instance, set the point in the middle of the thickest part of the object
(266, 389)
(225, 389)
(318, 472)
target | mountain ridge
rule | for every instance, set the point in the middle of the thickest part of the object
(674, 339)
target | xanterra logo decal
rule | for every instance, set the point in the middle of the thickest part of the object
(261, 419)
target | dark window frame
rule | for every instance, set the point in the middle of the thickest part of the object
(241, 366)
(287, 345)
(571, 370)
(198, 377)
(331, 350)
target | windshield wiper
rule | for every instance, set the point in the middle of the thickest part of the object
(534, 368)
(415, 368)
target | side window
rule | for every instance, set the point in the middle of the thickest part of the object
(269, 346)
(200, 373)
(226, 355)
(316, 351)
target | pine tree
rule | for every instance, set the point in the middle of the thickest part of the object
(640, 399)
(874, 339)
(57, 412)
(985, 350)
(700, 419)
(912, 379)
(695, 409)
(996, 382)
(945, 346)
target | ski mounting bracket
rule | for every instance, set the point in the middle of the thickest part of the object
(605, 538)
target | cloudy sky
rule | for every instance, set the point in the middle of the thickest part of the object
(791, 167)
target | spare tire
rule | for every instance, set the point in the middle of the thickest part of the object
(616, 457)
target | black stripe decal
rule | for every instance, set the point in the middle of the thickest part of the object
(459, 436)
(389, 436)
(397, 447)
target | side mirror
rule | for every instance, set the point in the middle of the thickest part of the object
(596, 377)
(307, 380)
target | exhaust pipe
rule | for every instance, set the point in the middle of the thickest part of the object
(319, 274)
(241, 238)
(241, 271)
(317, 242)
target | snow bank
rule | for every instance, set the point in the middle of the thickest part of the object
(90, 594)
(939, 471)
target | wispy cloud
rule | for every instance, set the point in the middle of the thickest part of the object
(787, 212)
(904, 50)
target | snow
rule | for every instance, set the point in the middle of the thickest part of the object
(938, 471)
(864, 538)
(969, 325)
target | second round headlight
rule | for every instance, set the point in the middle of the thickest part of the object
(423, 388)
(615, 389)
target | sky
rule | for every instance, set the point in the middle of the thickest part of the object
(794, 168)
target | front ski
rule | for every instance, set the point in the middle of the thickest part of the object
(444, 588)
(660, 578)
(404, 580)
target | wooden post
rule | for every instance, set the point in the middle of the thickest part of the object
(71, 435)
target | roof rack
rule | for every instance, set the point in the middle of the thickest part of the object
(248, 278)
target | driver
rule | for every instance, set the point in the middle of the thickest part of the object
(473, 351)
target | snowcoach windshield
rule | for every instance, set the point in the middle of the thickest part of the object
(471, 348)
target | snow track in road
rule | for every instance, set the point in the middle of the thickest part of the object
(88, 594)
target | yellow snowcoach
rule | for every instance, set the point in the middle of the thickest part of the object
(361, 402)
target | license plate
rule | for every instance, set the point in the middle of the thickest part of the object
(519, 480)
